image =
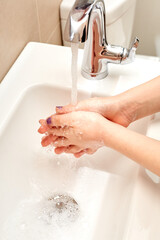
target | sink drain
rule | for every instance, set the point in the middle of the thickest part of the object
(61, 208)
(62, 202)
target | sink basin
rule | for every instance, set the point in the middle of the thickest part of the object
(107, 186)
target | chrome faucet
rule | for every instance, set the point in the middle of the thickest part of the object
(86, 23)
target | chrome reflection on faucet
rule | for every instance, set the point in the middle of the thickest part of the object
(86, 23)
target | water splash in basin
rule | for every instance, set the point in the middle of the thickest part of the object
(61, 207)
(57, 211)
(42, 219)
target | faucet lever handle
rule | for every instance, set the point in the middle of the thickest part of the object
(132, 50)
(135, 44)
(129, 54)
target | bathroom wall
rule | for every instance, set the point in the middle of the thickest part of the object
(22, 21)
(147, 27)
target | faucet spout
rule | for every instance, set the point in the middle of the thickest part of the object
(77, 25)
(87, 23)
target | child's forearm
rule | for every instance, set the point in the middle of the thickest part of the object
(144, 99)
(141, 149)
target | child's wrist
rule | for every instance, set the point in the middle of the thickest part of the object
(129, 107)
(110, 131)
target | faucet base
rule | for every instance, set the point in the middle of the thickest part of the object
(95, 76)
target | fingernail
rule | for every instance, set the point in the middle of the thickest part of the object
(59, 107)
(49, 120)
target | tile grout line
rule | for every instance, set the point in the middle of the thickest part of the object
(52, 33)
(38, 21)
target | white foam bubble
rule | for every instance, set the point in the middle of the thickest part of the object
(36, 217)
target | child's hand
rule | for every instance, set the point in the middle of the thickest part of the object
(76, 132)
(115, 108)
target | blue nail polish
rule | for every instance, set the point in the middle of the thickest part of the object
(59, 107)
(49, 120)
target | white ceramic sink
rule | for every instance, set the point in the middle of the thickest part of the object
(109, 188)
(22, 163)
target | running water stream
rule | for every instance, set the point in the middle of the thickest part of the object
(74, 49)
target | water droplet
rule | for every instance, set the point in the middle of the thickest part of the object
(58, 163)
(23, 225)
